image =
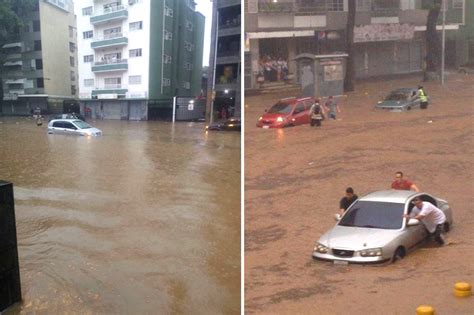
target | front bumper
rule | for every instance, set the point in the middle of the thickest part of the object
(271, 125)
(354, 259)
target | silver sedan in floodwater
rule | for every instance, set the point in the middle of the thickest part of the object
(373, 229)
(72, 127)
(400, 100)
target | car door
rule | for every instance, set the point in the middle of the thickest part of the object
(299, 114)
(416, 233)
(69, 128)
(58, 127)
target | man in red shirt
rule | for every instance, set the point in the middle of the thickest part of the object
(403, 184)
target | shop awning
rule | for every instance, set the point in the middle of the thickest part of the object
(17, 81)
(280, 34)
(12, 45)
(13, 63)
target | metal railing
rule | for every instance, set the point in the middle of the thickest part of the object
(111, 86)
(110, 61)
(109, 36)
(110, 10)
(270, 6)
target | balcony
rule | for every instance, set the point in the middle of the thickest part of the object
(110, 65)
(110, 40)
(272, 7)
(18, 63)
(13, 56)
(114, 13)
(111, 89)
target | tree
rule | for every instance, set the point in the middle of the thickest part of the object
(433, 42)
(350, 69)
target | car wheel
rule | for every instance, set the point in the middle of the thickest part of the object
(399, 254)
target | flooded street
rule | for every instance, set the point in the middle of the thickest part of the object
(143, 220)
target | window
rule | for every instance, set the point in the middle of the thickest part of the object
(37, 45)
(167, 59)
(72, 47)
(385, 4)
(28, 84)
(40, 83)
(135, 79)
(113, 32)
(188, 46)
(186, 85)
(71, 31)
(88, 82)
(458, 4)
(68, 125)
(87, 11)
(335, 5)
(39, 64)
(189, 25)
(88, 34)
(135, 26)
(26, 27)
(168, 12)
(188, 66)
(73, 76)
(36, 26)
(73, 89)
(89, 58)
(71, 61)
(58, 124)
(166, 82)
(112, 83)
(363, 5)
(168, 35)
(135, 52)
(299, 108)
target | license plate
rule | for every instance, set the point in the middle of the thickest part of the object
(265, 127)
(341, 262)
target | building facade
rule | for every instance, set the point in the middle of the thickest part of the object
(135, 55)
(41, 64)
(389, 35)
(225, 61)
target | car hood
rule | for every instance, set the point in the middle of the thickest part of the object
(356, 238)
(273, 116)
(91, 130)
(392, 103)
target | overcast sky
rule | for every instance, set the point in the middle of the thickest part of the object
(205, 7)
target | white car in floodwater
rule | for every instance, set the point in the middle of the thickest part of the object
(373, 229)
(72, 127)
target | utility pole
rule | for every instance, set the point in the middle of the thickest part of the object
(443, 42)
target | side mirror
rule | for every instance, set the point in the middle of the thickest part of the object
(413, 222)
(337, 217)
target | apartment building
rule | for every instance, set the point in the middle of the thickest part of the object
(225, 64)
(41, 65)
(389, 35)
(136, 55)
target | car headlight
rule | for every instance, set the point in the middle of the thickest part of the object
(280, 119)
(371, 252)
(260, 118)
(320, 248)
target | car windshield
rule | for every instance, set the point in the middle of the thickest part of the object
(397, 96)
(374, 214)
(82, 124)
(280, 108)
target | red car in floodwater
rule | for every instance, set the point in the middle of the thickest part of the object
(287, 112)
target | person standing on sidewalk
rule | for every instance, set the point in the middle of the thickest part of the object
(332, 107)
(420, 93)
(403, 184)
(432, 217)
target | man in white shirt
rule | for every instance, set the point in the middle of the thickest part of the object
(432, 217)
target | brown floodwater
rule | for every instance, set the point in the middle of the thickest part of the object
(143, 220)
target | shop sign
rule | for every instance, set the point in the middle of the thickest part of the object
(383, 32)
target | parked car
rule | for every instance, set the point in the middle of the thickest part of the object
(467, 68)
(231, 124)
(72, 127)
(373, 229)
(287, 112)
(401, 99)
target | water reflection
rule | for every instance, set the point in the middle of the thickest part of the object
(145, 219)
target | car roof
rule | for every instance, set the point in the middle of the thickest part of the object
(65, 119)
(396, 196)
(404, 90)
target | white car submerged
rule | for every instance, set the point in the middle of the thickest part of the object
(373, 229)
(72, 127)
